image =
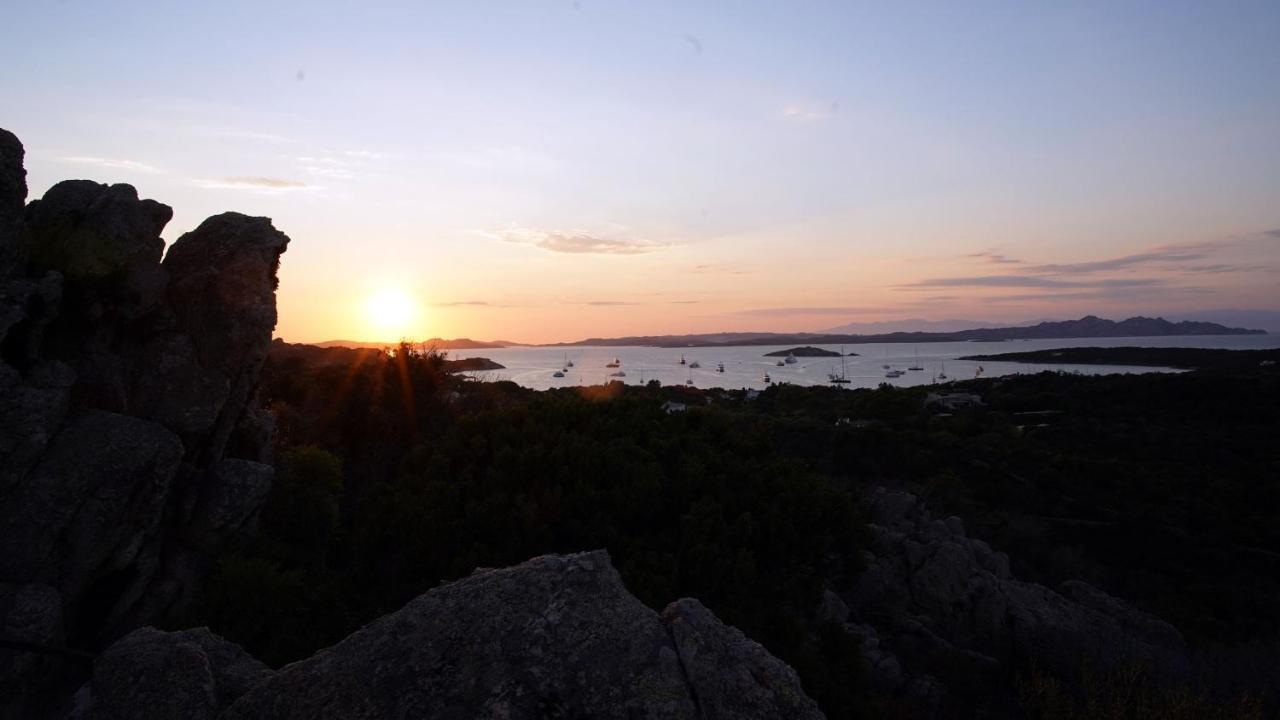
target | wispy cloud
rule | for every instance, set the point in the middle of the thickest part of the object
(717, 269)
(1158, 257)
(1030, 281)
(576, 243)
(1104, 294)
(994, 258)
(810, 112)
(325, 166)
(233, 134)
(792, 311)
(606, 303)
(465, 303)
(1273, 233)
(255, 183)
(113, 163)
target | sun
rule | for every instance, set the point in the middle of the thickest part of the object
(390, 310)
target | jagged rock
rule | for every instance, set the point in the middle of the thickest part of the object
(87, 507)
(26, 307)
(13, 196)
(87, 230)
(30, 414)
(230, 497)
(946, 605)
(732, 676)
(222, 282)
(557, 636)
(29, 613)
(192, 674)
(119, 386)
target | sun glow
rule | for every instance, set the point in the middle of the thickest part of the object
(390, 310)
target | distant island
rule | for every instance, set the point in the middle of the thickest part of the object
(1089, 326)
(806, 351)
(305, 355)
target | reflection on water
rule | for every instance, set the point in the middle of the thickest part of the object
(745, 366)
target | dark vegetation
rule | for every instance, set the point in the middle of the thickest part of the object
(1242, 361)
(394, 476)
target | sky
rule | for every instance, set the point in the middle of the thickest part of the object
(543, 171)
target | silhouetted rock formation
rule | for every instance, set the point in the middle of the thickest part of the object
(557, 636)
(129, 446)
(944, 622)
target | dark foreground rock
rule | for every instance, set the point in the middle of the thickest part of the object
(944, 624)
(130, 447)
(557, 636)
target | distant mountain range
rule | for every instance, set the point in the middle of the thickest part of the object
(1089, 326)
(437, 343)
(1268, 320)
(884, 327)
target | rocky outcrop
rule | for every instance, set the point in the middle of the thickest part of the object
(130, 448)
(192, 674)
(13, 196)
(557, 636)
(944, 623)
(731, 676)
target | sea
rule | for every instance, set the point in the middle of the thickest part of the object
(746, 366)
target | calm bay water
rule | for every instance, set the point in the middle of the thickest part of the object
(745, 366)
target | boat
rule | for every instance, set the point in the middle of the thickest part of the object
(791, 359)
(840, 379)
(767, 379)
(616, 363)
(720, 367)
(916, 367)
(886, 364)
(780, 363)
(694, 364)
(943, 375)
(618, 374)
(567, 362)
(558, 373)
(682, 358)
(894, 374)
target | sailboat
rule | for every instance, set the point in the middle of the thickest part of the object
(791, 359)
(943, 375)
(558, 374)
(694, 364)
(682, 358)
(616, 363)
(886, 359)
(720, 367)
(839, 379)
(567, 362)
(916, 367)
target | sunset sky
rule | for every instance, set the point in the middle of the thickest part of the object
(541, 171)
